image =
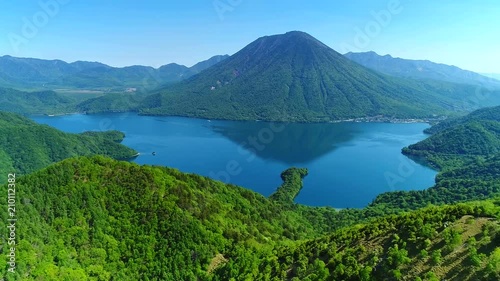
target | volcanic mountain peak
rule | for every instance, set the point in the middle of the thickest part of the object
(292, 40)
(295, 77)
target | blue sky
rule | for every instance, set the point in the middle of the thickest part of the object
(119, 33)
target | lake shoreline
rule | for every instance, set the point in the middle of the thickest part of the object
(369, 119)
(348, 162)
(377, 119)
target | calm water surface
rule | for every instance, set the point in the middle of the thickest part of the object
(349, 163)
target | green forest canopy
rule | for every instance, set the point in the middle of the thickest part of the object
(26, 146)
(94, 218)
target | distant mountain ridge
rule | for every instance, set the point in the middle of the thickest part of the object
(420, 69)
(49, 74)
(295, 77)
(492, 75)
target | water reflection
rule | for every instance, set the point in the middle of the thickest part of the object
(347, 162)
(288, 143)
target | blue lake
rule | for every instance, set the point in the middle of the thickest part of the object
(349, 163)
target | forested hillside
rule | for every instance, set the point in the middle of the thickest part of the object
(460, 140)
(457, 242)
(122, 102)
(95, 218)
(467, 151)
(26, 146)
(52, 103)
(101, 219)
(42, 102)
(295, 77)
(484, 114)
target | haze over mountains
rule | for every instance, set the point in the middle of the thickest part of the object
(95, 218)
(420, 69)
(29, 73)
(492, 75)
(286, 77)
(295, 77)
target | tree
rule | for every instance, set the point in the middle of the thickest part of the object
(436, 257)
